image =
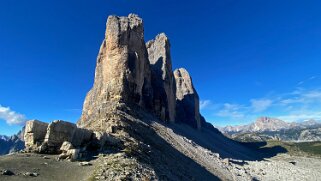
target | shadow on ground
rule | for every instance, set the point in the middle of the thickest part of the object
(226, 147)
(168, 163)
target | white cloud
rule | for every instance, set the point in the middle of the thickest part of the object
(259, 105)
(11, 117)
(301, 116)
(231, 110)
(303, 97)
(306, 80)
(297, 105)
(205, 104)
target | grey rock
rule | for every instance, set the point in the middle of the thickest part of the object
(35, 133)
(57, 133)
(8, 172)
(162, 77)
(187, 100)
(31, 174)
(66, 146)
(85, 164)
(59, 136)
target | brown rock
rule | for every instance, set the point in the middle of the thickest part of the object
(122, 70)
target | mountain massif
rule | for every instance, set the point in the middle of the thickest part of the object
(265, 128)
(12, 144)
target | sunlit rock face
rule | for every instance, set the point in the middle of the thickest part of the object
(35, 133)
(187, 100)
(48, 138)
(122, 72)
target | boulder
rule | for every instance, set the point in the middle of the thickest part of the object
(72, 154)
(162, 77)
(8, 172)
(66, 146)
(81, 136)
(105, 139)
(187, 100)
(58, 132)
(55, 137)
(122, 72)
(35, 132)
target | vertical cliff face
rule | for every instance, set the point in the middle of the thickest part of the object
(131, 73)
(187, 100)
(122, 71)
(162, 77)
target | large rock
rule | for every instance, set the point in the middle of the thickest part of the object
(187, 100)
(122, 71)
(59, 132)
(162, 77)
(35, 132)
(48, 138)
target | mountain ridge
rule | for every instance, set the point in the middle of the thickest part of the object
(266, 128)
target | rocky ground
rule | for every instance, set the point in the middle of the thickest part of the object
(199, 163)
(279, 167)
(35, 167)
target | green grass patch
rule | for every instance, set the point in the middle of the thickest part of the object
(299, 148)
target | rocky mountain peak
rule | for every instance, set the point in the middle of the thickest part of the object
(130, 72)
(162, 77)
(270, 124)
(187, 99)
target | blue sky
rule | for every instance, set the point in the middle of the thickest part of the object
(247, 58)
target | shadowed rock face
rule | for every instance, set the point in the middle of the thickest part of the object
(122, 71)
(162, 77)
(187, 100)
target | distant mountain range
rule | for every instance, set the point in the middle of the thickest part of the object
(11, 144)
(266, 128)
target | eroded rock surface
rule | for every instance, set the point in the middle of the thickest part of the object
(131, 73)
(122, 71)
(49, 138)
(35, 133)
(162, 77)
(187, 100)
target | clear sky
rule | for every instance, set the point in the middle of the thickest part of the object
(247, 58)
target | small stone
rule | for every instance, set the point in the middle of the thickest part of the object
(7, 172)
(31, 174)
(62, 156)
(293, 163)
(226, 161)
(85, 164)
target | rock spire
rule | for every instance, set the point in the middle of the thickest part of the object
(131, 73)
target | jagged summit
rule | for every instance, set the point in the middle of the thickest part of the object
(130, 72)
